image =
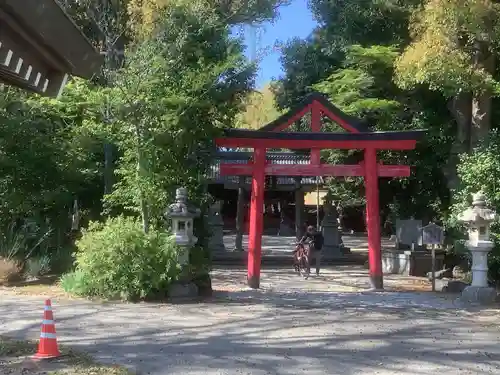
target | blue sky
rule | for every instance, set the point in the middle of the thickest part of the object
(295, 20)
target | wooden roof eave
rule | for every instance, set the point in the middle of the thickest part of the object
(55, 32)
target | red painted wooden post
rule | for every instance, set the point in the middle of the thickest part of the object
(373, 219)
(316, 128)
(256, 218)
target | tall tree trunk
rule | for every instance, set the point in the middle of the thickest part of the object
(461, 109)
(472, 113)
(481, 103)
(140, 175)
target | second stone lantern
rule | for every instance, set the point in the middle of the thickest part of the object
(182, 215)
(478, 219)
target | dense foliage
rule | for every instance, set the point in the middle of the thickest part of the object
(174, 76)
(117, 260)
(121, 143)
(406, 64)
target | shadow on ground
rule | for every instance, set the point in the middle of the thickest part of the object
(336, 339)
(289, 326)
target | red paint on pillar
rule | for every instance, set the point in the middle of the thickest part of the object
(373, 218)
(256, 218)
(316, 128)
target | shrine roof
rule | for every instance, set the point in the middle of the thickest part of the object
(40, 46)
(356, 135)
(354, 124)
(279, 158)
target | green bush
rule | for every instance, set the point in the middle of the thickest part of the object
(75, 282)
(117, 260)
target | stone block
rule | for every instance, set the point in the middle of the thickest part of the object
(408, 232)
(421, 262)
(204, 284)
(479, 295)
(409, 263)
(396, 262)
(450, 286)
(182, 291)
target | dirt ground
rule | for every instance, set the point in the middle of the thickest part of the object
(15, 359)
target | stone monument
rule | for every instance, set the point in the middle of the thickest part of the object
(408, 233)
(216, 225)
(182, 215)
(478, 219)
(329, 228)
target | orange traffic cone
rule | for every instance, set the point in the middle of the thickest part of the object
(47, 347)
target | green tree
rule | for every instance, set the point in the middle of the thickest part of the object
(453, 51)
(305, 62)
(54, 165)
(176, 91)
(358, 54)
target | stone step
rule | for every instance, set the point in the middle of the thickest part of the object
(240, 258)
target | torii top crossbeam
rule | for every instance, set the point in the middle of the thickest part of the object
(356, 136)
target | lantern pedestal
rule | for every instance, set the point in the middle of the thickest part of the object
(479, 295)
(479, 292)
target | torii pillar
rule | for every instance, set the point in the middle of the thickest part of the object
(256, 217)
(373, 219)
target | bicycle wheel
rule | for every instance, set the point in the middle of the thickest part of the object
(303, 262)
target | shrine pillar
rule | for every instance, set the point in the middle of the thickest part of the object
(299, 208)
(373, 218)
(256, 218)
(240, 215)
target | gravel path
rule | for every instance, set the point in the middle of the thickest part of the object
(313, 327)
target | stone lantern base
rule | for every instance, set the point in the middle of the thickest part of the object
(481, 295)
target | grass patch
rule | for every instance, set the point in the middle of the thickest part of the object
(48, 286)
(15, 358)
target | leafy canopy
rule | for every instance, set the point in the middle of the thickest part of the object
(447, 34)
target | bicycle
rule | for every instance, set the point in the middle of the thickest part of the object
(300, 259)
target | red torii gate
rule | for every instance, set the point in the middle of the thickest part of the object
(357, 136)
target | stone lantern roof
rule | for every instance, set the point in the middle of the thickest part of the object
(478, 212)
(181, 208)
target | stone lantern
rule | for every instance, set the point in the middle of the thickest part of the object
(478, 219)
(330, 229)
(216, 224)
(182, 215)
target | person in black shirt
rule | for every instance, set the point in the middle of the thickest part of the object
(314, 240)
